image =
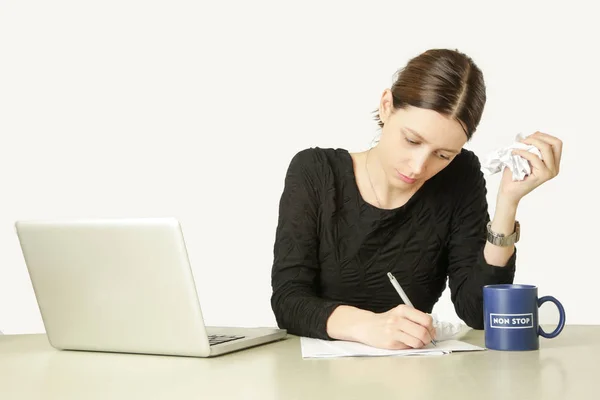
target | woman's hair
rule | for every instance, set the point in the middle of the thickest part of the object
(446, 81)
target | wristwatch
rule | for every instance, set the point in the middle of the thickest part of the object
(500, 239)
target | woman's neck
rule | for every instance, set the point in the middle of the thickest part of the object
(385, 194)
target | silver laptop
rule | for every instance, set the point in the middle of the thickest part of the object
(123, 285)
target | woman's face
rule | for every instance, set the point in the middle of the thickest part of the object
(416, 143)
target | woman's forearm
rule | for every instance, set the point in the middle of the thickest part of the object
(345, 323)
(503, 222)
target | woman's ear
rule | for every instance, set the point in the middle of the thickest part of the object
(386, 105)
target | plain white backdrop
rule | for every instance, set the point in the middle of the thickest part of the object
(194, 109)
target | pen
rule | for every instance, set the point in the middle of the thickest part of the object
(403, 296)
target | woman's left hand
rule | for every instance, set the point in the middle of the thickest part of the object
(542, 170)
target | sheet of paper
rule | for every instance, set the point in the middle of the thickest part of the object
(317, 348)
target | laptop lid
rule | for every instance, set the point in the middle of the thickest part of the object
(122, 285)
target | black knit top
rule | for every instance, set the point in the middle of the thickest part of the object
(333, 248)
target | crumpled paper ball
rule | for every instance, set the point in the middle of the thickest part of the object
(447, 330)
(502, 158)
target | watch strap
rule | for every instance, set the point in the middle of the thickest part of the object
(502, 240)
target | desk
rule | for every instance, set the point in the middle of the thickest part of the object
(564, 368)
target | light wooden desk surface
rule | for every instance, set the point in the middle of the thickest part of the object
(564, 368)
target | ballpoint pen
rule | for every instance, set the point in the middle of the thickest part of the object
(403, 296)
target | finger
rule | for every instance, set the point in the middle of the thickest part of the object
(556, 143)
(423, 319)
(432, 333)
(534, 161)
(553, 140)
(416, 316)
(408, 340)
(415, 330)
(546, 150)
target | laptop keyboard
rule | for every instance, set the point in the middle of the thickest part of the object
(218, 339)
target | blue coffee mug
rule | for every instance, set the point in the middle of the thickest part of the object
(511, 317)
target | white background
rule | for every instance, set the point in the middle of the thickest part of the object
(194, 109)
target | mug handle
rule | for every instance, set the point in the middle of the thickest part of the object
(561, 321)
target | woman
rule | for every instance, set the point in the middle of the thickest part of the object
(413, 205)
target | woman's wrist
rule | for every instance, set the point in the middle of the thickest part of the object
(504, 216)
(347, 322)
(502, 223)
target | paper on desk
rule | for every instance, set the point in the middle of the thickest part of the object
(447, 334)
(317, 348)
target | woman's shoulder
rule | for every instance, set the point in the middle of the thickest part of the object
(463, 174)
(320, 169)
(465, 165)
(320, 154)
(319, 161)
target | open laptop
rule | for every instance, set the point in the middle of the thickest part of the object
(123, 285)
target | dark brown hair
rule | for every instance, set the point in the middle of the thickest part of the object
(443, 80)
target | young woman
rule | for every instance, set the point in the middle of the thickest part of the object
(413, 205)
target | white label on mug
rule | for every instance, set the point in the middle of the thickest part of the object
(511, 321)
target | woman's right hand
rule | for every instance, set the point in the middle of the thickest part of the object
(402, 327)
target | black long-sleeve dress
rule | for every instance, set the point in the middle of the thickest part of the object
(333, 248)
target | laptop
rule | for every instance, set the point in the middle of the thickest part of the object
(124, 286)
